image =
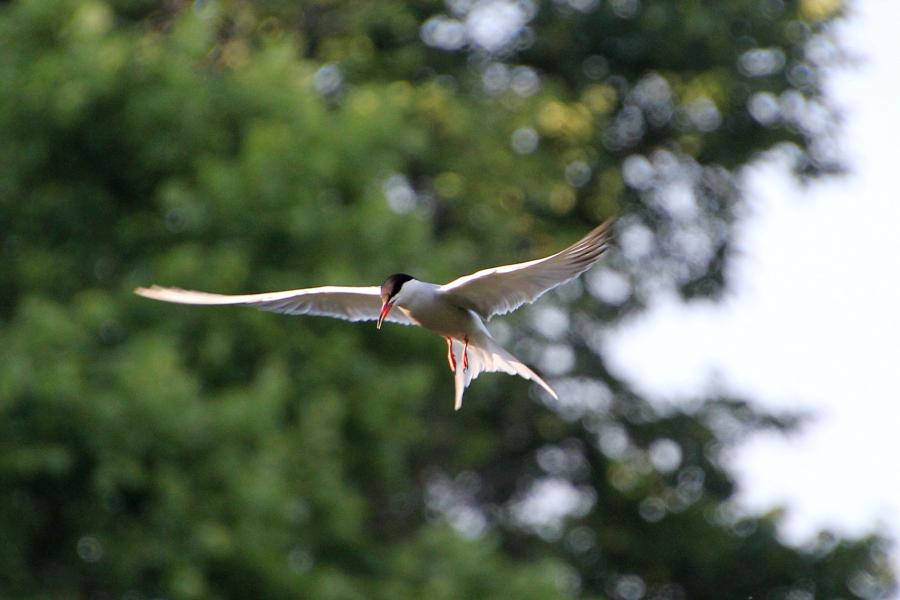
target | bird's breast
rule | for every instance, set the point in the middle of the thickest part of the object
(441, 317)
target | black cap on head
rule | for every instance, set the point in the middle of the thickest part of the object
(392, 285)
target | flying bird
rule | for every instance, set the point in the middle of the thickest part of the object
(457, 311)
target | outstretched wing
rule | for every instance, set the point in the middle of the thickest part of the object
(348, 303)
(503, 289)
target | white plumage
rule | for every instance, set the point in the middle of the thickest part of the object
(340, 302)
(456, 311)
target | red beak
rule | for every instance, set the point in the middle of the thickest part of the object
(385, 309)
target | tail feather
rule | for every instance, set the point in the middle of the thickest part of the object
(487, 356)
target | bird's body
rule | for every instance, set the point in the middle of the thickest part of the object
(425, 305)
(457, 311)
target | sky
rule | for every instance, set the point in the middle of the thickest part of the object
(813, 320)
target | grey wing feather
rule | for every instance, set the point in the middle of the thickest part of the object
(348, 303)
(500, 290)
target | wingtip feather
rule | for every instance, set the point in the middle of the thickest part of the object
(147, 292)
(546, 387)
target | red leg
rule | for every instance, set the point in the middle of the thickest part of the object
(466, 354)
(450, 358)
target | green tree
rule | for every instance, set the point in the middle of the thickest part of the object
(150, 450)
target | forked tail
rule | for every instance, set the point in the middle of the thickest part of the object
(486, 355)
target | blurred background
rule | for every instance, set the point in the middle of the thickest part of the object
(157, 451)
(828, 346)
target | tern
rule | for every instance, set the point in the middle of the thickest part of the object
(457, 311)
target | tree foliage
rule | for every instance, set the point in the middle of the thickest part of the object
(150, 450)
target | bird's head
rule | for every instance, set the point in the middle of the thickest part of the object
(389, 291)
